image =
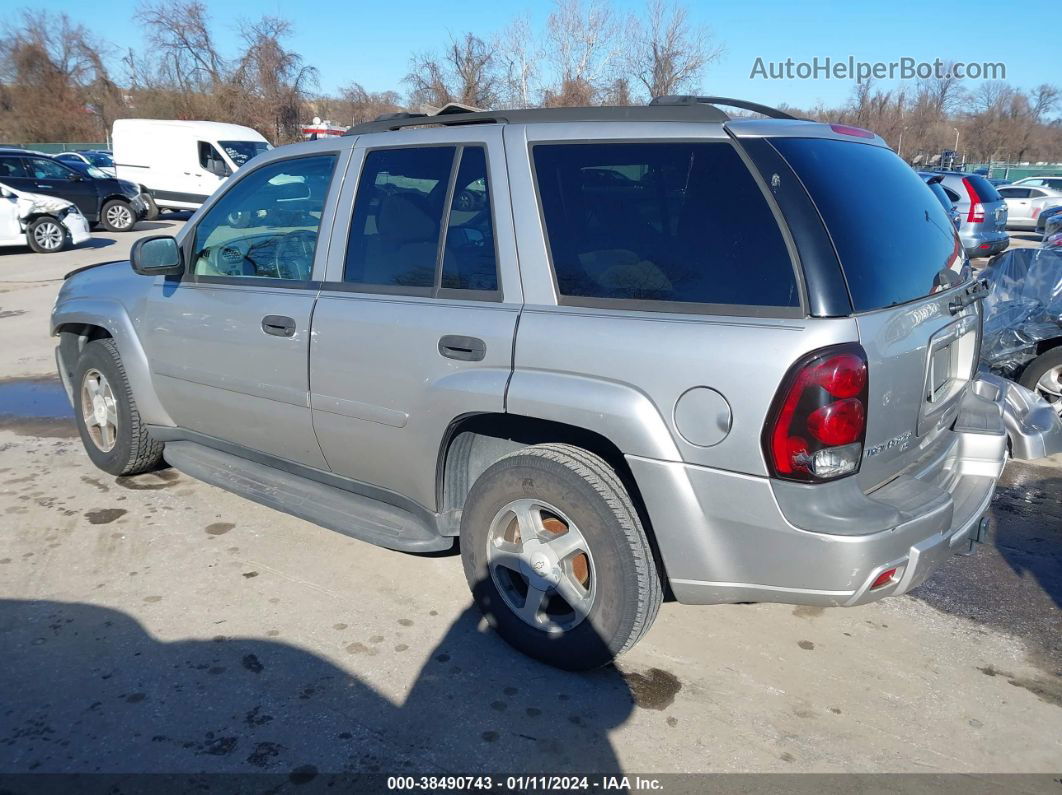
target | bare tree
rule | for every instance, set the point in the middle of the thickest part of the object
(669, 54)
(466, 72)
(179, 36)
(585, 44)
(518, 55)
(356, 105)
(53, 81)
(273, 80)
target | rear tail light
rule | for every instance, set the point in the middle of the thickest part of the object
(818, 422)
(977, 209)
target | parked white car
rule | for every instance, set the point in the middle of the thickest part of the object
(1025, 203)
(45, 223)
(1054, 182)
(180, 163)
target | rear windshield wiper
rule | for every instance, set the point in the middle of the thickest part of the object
(971, 295)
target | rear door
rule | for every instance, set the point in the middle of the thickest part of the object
(415, 324)
(903, 270)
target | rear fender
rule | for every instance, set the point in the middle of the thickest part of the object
(618, 412)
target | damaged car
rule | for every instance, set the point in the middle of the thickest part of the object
(1023, 320)
(46, 224)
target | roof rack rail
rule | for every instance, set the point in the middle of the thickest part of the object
(755, 107)
(669, 109)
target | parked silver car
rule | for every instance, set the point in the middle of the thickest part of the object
(703, 372)
(1024, 204)
(984, 213)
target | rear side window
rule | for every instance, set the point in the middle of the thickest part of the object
(394, 232)
(892, 236)
(675, 222)
(422, 223)
(11, 167)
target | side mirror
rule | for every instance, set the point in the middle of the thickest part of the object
(74, 177)
(157, 256)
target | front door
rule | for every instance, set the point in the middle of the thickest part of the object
(229, 341)
(415, 324)
(52, 178)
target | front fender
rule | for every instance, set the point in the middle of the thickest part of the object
(112, 316)
(623, 415)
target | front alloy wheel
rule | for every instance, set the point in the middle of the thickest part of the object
(118, 216)
(49, 235)
(98, 410)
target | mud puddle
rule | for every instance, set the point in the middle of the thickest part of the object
(36, 407)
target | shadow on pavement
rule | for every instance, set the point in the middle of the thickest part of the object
(88, 689)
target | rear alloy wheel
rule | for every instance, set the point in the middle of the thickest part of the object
(1044, 376)
(556, 557)
(46, 235)
(117, 216)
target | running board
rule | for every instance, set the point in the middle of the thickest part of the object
(351, 514)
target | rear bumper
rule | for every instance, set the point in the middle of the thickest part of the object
(726, 537)
(986, 244)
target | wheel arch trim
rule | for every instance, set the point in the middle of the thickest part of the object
(75, 315)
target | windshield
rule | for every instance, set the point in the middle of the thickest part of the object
(242, 151)
(94, 172)
(100, 159)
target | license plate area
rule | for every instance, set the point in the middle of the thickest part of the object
(950, 362)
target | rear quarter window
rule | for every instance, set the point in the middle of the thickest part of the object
(893, 237)
(664, 224)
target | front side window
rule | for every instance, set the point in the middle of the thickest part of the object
(677, 222)
(211, 160)
(266, 226)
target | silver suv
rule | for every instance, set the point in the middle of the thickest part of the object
(617, 352)
(982, 210)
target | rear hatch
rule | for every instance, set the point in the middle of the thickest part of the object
(905, 268)
(987, 206)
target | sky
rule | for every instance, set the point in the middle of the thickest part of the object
(370, 42)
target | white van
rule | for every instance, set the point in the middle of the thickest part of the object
(180, 163)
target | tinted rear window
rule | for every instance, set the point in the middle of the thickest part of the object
(661, 222)
(892, 235)
(986, 191)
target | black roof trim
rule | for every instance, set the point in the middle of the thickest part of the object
(647, 113)
(685, 100)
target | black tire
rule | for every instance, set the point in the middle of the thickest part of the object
(152, 208)
(42, 231)
(586, 489)
(133, 451)
(114, 219)
(1039, 367)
